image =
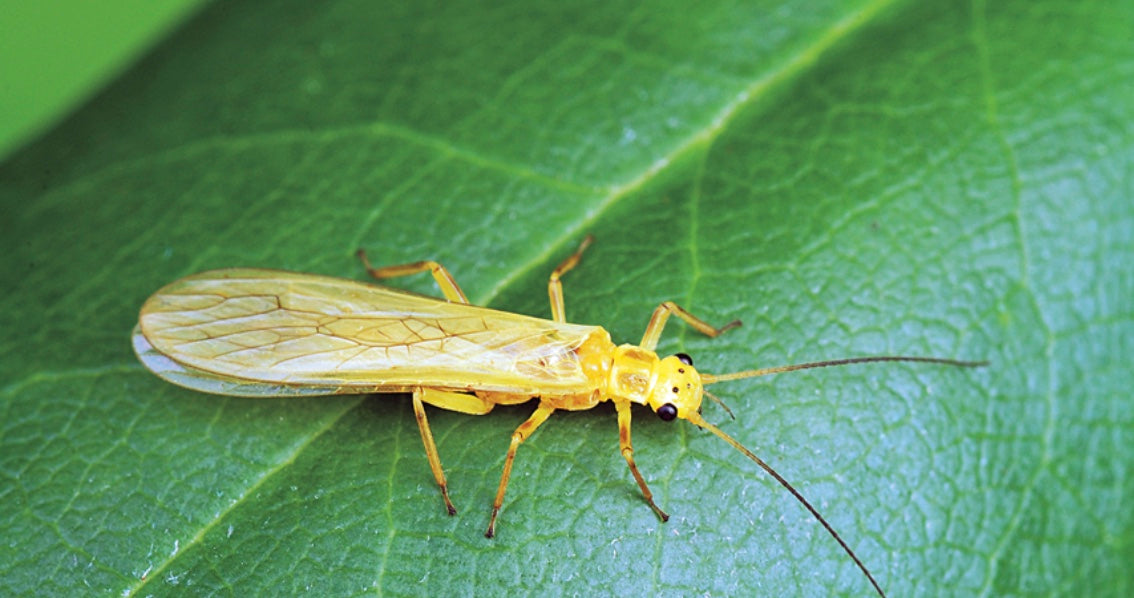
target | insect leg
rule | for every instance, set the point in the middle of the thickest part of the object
(555, 288)
(445, 281)
(431, 448)
(524, 431)
(461, 402)
(623, 408)
(662, 313)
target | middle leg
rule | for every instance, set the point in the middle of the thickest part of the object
(522, 433)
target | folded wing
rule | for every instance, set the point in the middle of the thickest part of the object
(277, 332)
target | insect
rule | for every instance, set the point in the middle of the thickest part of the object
(267, 333)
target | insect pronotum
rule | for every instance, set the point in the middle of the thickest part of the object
(268, 333)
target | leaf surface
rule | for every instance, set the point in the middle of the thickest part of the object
(847, 178)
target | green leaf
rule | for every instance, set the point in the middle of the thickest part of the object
(849, 179)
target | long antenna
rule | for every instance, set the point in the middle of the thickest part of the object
(698, 421)
(714, 378)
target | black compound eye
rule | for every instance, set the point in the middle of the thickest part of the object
(667, 412)
(684, 358)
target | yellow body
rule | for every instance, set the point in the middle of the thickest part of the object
(268, 333)
(265, 333)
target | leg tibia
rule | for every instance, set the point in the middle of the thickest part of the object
(431, 449)
(627, 450)
(445, 280)
(522, 433)
(661, 315)
(555, 287)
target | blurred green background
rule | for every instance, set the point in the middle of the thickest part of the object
(57, 53)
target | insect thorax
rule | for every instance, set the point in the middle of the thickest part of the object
(632, 374)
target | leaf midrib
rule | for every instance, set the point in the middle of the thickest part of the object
(700, 140)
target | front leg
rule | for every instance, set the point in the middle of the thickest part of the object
(662, 313)
(623, 408)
